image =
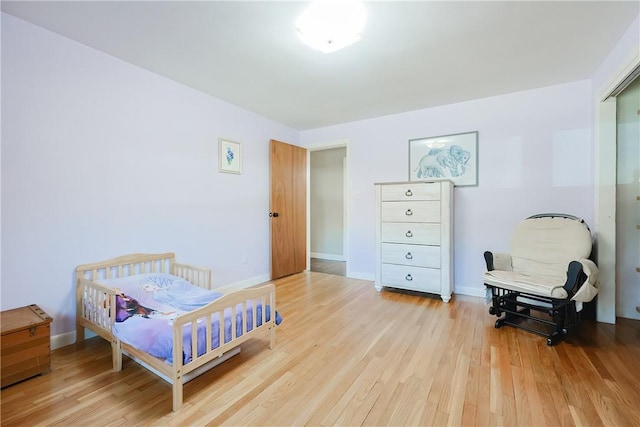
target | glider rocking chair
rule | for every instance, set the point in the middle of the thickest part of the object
(542, 284)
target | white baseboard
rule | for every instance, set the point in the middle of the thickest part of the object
(244, 283)
(328, 257)
(68, 338)
(471, 291)
(62, 340)
(361, 276)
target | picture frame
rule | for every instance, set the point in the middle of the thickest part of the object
(229, 156)
(453, 157)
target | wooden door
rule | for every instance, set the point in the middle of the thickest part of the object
(288, 209)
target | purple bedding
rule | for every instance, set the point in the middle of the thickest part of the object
(150, 302)
(155, 335)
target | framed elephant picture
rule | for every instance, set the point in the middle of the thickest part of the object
(453, 157)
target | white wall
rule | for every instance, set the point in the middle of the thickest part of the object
(101, 158)
(535, 155)
(618, 61)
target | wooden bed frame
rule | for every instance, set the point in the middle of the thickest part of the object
(94, 303)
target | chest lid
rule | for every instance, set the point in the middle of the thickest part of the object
(19, 318)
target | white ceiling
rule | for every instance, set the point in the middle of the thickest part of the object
(412, 55)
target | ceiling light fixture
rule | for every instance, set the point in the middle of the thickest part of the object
(329, 25)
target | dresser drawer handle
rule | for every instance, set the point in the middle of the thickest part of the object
(408, 234)
(408, 193)
(408, 212)
(408, 255)
(408, 278)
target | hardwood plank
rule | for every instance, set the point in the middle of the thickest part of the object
(346, 354)
(356, 402)
(339, 268)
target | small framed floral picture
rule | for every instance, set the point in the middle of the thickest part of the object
(229, 156)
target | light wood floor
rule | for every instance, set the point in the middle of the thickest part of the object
(348, 355)
(327, 266)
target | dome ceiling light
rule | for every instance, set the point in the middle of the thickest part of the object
(328, 25)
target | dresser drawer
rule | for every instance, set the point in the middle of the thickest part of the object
(417, 234)
(411, 191)
(425, 211)
(415, 255)
(414, 278)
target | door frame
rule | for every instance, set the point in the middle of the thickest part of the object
(605, 188)
(328, 145)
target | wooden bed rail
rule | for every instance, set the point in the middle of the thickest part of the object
(246, 300)
(93, 311)
(198, 276)
(94, 301)
(263, 296)
(127, 265)
(96, 311)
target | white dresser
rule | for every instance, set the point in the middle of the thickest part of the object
(414, 236)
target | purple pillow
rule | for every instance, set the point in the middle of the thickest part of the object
(122, 313)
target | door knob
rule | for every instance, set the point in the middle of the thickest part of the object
(274, 214)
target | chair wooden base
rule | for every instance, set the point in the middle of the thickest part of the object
(546, 316)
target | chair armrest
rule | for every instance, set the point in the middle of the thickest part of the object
(488, 259)
(589, 281)
(575, 277)
(497, 261)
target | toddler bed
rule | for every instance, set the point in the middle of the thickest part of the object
(150, 307)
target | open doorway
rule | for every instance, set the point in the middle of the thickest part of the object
(328, 209)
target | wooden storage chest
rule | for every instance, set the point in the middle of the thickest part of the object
(26, 344)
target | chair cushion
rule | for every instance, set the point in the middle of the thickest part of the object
(519, 282)
(542, 248)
